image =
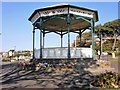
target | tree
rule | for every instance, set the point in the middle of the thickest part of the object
(109, 29)
(115, 26)
(85, 41)
(102, 30)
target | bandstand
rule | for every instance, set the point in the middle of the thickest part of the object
(63, 19)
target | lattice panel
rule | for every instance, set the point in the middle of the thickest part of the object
(81, 12)
(36, 16)
(53, 12)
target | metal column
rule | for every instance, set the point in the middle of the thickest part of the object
(68, 22)
(33, 43)
(61, 40)
(40, 38)
(80, 34)
(93, 44)
(43, 38)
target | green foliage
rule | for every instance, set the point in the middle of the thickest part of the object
(114, 60)
(5, 60)
(87, 35)
(113, 25)
(107, 45)
(105, 31)
(85, 41)
(109, 29)
(112, 30)
(107, 80)
(117, 53)
(118, 44)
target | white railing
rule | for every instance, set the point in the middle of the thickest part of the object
(62, 53)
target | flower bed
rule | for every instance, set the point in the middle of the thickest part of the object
(54, 67)
(108, 80)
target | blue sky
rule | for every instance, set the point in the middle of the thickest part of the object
(17, 30)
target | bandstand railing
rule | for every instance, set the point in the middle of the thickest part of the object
(56, 53)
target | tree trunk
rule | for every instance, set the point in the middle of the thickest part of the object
(101, 46)
(115, 38)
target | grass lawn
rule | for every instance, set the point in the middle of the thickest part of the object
(115, 63)
(115, 60)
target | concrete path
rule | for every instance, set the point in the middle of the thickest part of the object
(13, 78)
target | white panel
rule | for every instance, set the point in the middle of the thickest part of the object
(81, 12)
(54, 12)
(59, 11)
(35, 17)
(37, 53)
(86, 52)
(62, 53)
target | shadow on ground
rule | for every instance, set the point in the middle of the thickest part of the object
(77, 78)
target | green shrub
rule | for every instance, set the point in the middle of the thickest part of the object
(5, 60)
(107, 80)
(109, 53)
(117, 53)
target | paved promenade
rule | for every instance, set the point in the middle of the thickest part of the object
(14, 78)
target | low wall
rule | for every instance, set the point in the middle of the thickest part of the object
(63, 52)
